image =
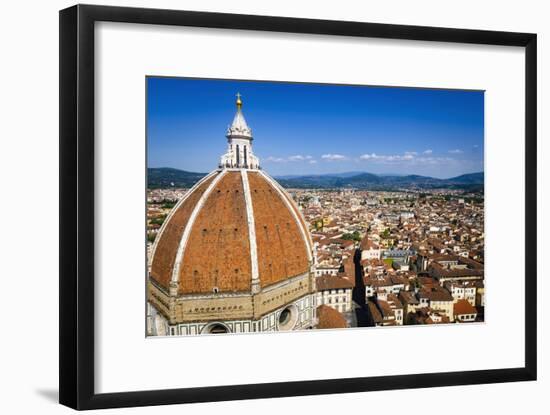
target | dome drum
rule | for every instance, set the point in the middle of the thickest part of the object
(206, 307)
(300, 314)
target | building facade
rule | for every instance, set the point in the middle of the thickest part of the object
(334, 291)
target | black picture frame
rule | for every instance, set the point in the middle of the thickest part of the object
(76, 279)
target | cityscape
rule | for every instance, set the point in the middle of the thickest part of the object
(238, 251)
(385, 258)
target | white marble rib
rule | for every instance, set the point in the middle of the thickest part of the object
(294, 214)
(174, 209)
(251, 228)
(189, 225)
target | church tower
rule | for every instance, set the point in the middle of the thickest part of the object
(239, 139)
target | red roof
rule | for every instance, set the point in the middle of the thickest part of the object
(329, 318)
(331, 282)
(464, 307)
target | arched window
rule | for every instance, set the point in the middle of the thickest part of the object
(245, 158)
(238, 156)
(216, 328)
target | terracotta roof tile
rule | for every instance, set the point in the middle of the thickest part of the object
(168, 241)
(282, 252)
(329, 318)
(332, 282)
(463, 307)
(217, 254)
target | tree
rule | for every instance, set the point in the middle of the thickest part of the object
(355, 236)
(159, 220)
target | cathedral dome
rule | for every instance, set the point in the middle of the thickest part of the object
(236, 231)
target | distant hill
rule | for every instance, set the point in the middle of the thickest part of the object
(369, 181)
(168, 177)
(472, 178)
(345, 174)
(327, 181)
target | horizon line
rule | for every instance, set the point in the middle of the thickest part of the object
(335, 174)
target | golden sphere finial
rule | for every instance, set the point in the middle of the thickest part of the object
(239, 102)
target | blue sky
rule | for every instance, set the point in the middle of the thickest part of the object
(317, 129)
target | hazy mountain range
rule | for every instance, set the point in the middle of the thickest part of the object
(169, 177)
(370, 181)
